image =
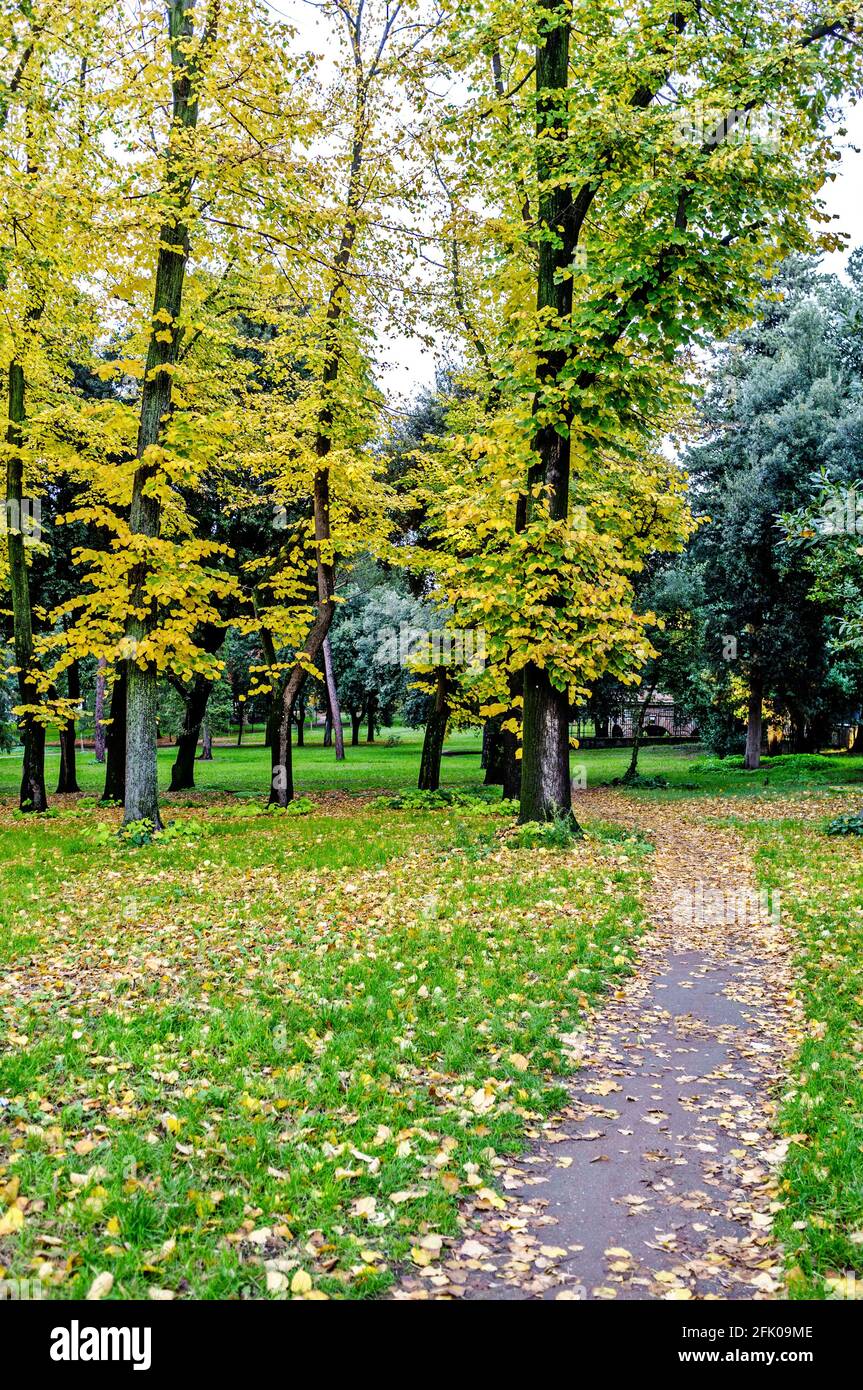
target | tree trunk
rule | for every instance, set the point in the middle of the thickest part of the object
(99, 713)
(333, 701)
(545, 780)
(142, 791)
(338, 304)
(328, 729)
(206, 754)
(32, 794)
(429, 776)
(301, 727)
(115, 742)
(356, 721)
(492, 737)
(637, 734)
(68, 779)
(510, 761)
(752, 756)
(546, 790)
(370, 728)
(183, 771)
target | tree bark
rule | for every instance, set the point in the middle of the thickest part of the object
(545, 779)
(99, 713)
(494, 752)
(183, 771)
(356, 721)
(333, 701)
(206, 754)
(637, 735)
(546, 789)
(510, 761)
(429, 775)
(32, 793)
(752, 756)
(328, 729)
(142, 792)
(370, 727)
(68, 779)
(301, 727)
(115, 742)
(282, 779)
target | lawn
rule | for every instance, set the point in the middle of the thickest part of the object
(820, 879)
(267, 1053)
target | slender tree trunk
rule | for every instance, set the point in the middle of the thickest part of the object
(370, 727)
(99, 712)
(301, 728)
(32, 794)
(183, 771)
(429, 775)
(68, 779)
(546, 791)
(494, 753)
(115, 742)
(510, 761)
(328, 729)
(333, 701)
(282, 782)
(242, 724)
(206, 754)
(637, 735)
(142, 792)
(356, 721)
(752, 756)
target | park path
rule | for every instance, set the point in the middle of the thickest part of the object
(656, 1179)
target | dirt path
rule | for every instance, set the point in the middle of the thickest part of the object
(655, 1180)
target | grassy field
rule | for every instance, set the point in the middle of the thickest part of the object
(265, 1055)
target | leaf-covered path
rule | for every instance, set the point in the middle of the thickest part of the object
(655, 1179)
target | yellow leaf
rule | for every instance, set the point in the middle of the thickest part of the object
(100, 1287)
(301, 1282)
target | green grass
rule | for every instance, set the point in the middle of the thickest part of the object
(820, 880)
(245, 771)
(269, 1044)
(221, 1046)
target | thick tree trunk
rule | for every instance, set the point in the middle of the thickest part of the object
(333, 701)
(142, 791)
(68, 779)
(32, 794)
(429, 775)
(99, 713)
(545, 779)
(115, 742)
(546, 790)
(183, 771)
(752, 756)
(356, 722)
